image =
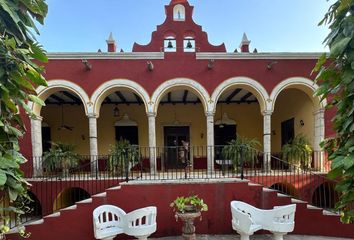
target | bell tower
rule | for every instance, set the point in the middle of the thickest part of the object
(179, 33)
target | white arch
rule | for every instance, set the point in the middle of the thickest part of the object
(306, 85)
(179, 13)
(196, 88)
(109, 87)
(59, 85)
(247, 83)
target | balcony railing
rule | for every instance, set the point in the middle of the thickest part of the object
(58, 187)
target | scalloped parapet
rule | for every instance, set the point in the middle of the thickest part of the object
(179, 26)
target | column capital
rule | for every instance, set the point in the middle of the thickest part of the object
(92, 115)
(36, 117)
(209, 114)
(319, 111)
(267, 113)
(151, 114)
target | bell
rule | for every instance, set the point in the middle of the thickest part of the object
(169, 45)
(189, 44)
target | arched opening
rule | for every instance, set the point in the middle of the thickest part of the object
(34, 206)
(325, 196)
(237, 115)
(69, 197)
(65, 121)
(179, 13)
(31, 208)
(170, 44)
(181, 120)
(293, 117)
(285, 188)
(122, 116)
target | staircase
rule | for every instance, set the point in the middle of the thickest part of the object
(75, 222)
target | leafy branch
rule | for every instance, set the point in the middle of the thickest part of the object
(19, 76)
(336, 78)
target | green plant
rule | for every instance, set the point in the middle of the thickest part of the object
(19, 76)
(121, 156)
(191, 203)
(241, 150)
(336, 78)
(61, 156)
(298, 152)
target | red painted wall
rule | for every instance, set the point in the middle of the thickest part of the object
(176, 65)
(77, 224)
(46, 192)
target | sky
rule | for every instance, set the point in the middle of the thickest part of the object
(271, 25)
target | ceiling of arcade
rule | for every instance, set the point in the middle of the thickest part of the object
(180, 96)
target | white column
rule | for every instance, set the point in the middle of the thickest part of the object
(267, 115)
(93, 143)
(37, 148)
(210, 141)
(318, 138)
(152, 141)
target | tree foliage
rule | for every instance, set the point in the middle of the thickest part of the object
(19, 76)
(336, 77)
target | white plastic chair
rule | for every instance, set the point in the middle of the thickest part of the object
(279, 220)
(108, 222)
(242, 223)
(140, 223)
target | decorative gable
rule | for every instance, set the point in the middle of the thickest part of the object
(179, 33)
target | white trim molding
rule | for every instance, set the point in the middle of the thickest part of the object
(109, 87)
(246, 83)
(257, 56)
(106, 55)
(306, 85)
(59, 85)
(193, 85)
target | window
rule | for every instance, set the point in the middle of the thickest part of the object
(170, 44)
(46, 137)
(189, 44)
(126, 129)
(129, 133)
(179, 13)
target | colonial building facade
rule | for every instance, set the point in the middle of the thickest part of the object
(178, 87)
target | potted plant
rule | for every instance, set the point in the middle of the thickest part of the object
(241, 150)
(298, 153)
(61, 157)
(122, 155)
(187, 209)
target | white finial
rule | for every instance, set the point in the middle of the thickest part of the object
(110, 38)
(245, 40)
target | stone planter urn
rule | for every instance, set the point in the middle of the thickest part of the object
(188, 229)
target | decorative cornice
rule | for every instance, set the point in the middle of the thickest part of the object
(256, 56)
(103, 56)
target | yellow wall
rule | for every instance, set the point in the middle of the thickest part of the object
(106, 121)
(74, 116)
(292, 103)
(187, 115)
(248, 118)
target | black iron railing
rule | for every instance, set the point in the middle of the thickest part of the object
(60, 186)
